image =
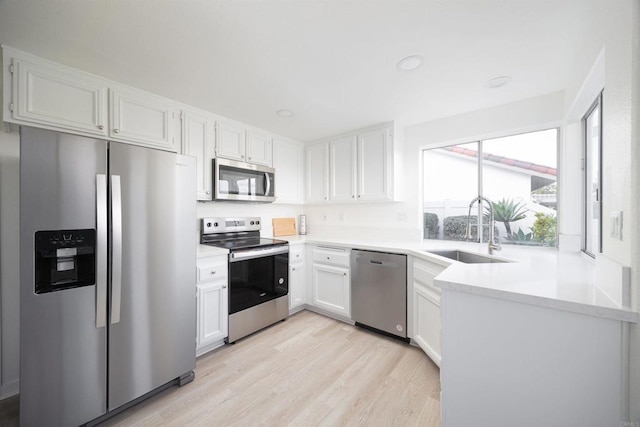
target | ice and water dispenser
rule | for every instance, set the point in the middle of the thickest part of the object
(65, 259)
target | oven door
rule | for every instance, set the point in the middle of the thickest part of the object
(242, 181)
(257, 276)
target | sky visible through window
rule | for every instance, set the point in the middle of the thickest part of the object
(518, 174)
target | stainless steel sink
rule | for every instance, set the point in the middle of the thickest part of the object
(466, 257)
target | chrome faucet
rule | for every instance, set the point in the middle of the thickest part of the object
(492, 244)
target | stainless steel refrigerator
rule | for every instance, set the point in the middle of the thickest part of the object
(107, 300)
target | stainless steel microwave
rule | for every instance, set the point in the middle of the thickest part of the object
(243, 182)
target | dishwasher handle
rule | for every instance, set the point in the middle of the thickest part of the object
(377, 262)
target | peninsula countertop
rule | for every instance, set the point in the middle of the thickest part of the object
(531, 275)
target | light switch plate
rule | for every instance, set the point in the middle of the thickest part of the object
(616, 224)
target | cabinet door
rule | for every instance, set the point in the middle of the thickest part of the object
(230, 141)
(198, 141)
(296, 285)
(259, 149)
(59, 98)
(331, 289)
(317, 173)
(342, 169)
(427, 323)
(288, 161)
(375, 163)
(212, 312)
(141, 118)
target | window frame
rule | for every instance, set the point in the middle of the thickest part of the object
(480, 166)
(586, 229)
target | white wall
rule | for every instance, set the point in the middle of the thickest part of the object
(9, 263)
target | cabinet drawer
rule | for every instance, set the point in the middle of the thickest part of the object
(332, 256)
(296, 253)
(212, 272)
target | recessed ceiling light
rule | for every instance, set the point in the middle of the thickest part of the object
(285, 113)
(497, 82)
(410, 63)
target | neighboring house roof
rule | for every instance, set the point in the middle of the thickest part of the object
(531, 168)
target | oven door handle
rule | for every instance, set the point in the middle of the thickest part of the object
(257, 253)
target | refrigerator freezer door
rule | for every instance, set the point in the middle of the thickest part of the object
(153, 341)
(62, 352)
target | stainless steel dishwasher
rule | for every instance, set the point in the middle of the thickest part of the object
(379, 291)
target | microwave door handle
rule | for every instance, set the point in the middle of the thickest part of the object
(267, 183)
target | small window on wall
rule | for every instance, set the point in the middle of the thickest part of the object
(518, 174)
(592, 175)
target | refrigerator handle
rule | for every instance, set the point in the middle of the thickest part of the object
(116, 248)
(101, 251)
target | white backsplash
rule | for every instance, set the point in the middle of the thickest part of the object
(266, 212)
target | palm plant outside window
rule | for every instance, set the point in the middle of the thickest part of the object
(517, 173)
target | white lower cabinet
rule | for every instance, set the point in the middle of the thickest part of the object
(297, 291)
(427, 322)
(331, 278)
(212, 303)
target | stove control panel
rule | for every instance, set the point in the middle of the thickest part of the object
(227, 225)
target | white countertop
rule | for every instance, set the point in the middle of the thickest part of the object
(206, 250)
(537, 276)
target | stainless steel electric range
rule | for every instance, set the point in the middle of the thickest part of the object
(258, 273)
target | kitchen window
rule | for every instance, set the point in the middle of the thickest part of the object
(517, 173)
(592, 178)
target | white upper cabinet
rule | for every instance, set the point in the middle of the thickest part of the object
(230, 141)
(360, 165)
(342, 169)
(317, 168)
(235, 142)
(142, 118)
(198, 140)
(288, 161)
(259, 148)
(375, 165)
(49, 95)
(54, 98)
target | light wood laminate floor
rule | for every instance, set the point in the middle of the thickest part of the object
(307, 371)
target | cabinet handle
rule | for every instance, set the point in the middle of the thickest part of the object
(224, 286)
(293, 269)
(213, 272)
(353, 197)
(344, 274)
(250, 158)
(242, 156)
(101, 127)
(297, 255)
(328, 258)
(208, 192)
(116, 131)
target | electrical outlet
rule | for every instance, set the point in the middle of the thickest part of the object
(616, 224)
(341, 216)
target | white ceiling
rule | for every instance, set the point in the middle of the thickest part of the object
(333, 63)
